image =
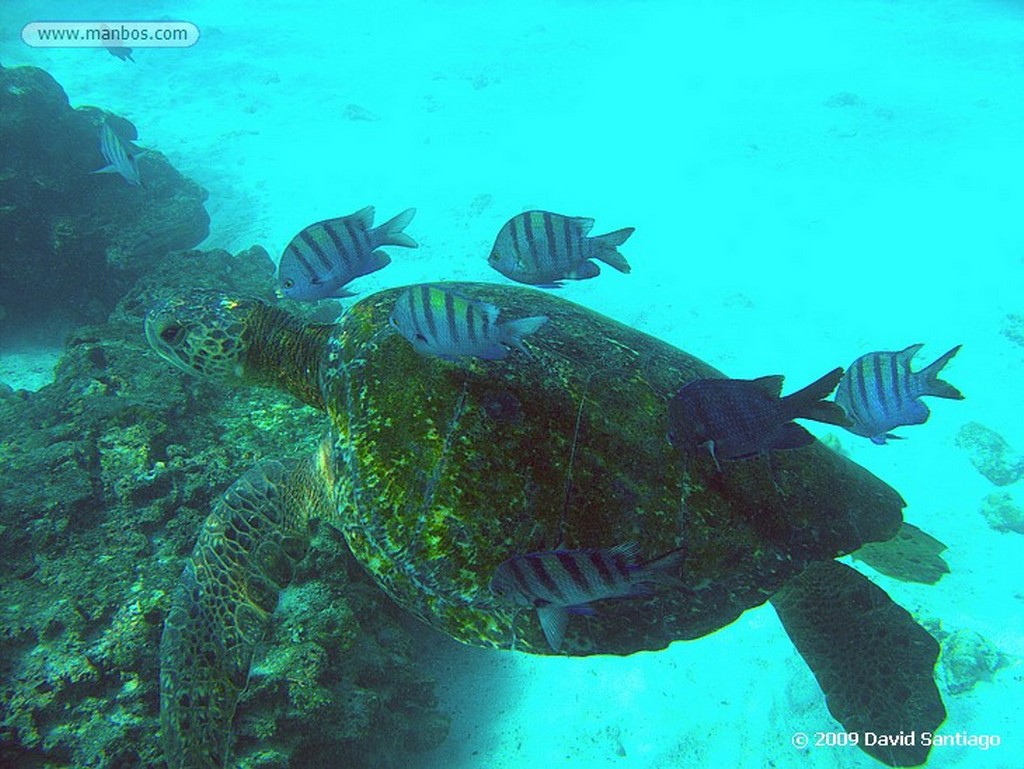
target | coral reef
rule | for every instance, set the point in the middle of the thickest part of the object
(73, 241)
(990, 454)
(108, 473)
(968, 658)
(1002, 513)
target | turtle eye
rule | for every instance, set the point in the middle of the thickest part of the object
(288, 283)
(173, 335)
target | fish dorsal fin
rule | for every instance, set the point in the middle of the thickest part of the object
(584, 223)
(906, 355)
(364, 217)
(627, 551)
(772, 384)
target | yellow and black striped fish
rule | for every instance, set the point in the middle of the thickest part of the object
(541, 248)
(324, 256)
(557, 582)
(442, 323)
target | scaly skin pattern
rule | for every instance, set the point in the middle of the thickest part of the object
(244, 556)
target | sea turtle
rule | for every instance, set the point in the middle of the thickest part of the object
(438, 471)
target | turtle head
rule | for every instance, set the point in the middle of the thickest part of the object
(202, 332)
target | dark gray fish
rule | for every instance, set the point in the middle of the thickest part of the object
(119, 158)
(740, 418)
(557, 582)
(541, 248)
(880, 392)
(324, 256)
(442, 323)
(122, 53)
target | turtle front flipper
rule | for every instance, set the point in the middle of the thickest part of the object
(244, 556)
(874, 663)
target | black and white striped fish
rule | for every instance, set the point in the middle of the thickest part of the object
(323, 257)
(880, 392)
(442, 323)
(120, 160)
(559, 582)
(542, 249)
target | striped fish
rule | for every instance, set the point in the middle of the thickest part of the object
(120, 160)
(323, 257)
(442, 323)
(558, 582)
(542, 249)
(880, 392)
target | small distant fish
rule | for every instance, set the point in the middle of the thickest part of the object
(558, 582)
(325, 256)
(740, 418)
(121, 160)
(880, 392)
(124, 54)
(442, 323)
(542, 249)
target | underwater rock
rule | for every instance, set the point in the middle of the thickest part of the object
(1013, 328)
(1002, 514)
(843, 99)
(990, 454)
(74, 241)
(968, 658)
(338, 669)
(108, 473)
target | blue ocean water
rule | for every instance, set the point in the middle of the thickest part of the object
(807, 182)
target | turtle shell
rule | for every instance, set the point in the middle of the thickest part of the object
(442, 470)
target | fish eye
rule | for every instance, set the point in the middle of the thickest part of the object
(173, 334)
(288, 283)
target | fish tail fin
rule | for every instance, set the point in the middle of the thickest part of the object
(606, 248)
(665, 568)
(810, 403)
(930, 383)
(390, 233)
(514, 331)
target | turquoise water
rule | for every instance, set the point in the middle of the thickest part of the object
(807, 183)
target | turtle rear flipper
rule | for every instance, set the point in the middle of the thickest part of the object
(874, 663)
(244, 556)
(912, 555)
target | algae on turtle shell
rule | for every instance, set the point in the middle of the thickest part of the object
(437, 472)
